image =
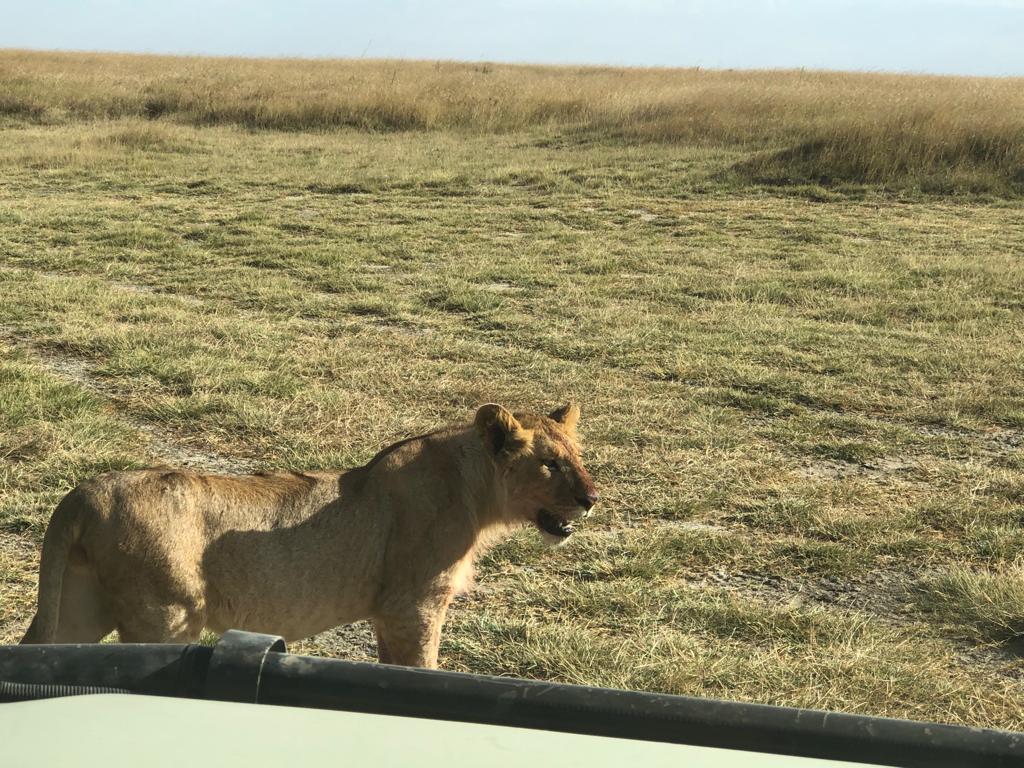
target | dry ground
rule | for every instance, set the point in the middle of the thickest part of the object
(802, 405)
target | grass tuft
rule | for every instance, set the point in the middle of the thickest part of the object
(988, 605)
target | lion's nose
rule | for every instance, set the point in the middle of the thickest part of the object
(588, 501)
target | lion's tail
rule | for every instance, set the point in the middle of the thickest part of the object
(61, 535)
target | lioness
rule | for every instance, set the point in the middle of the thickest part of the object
(161, 554)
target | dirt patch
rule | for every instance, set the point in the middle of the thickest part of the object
(163, 445)
(149, 290)
(883, 470)
(885, 594)
(499, 287)
(352, 642)
(703, 527)
(995, 442)
(642, 214)
(401, 329)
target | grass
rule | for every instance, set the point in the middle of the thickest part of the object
(937, 134)
(801, 401)
(989, 604)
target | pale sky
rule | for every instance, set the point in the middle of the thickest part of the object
(984, 37)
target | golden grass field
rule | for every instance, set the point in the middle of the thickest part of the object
(790, 304)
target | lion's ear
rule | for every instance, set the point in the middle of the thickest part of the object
(499, 429)
(568, 416)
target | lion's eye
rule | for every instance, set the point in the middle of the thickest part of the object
(552, 466)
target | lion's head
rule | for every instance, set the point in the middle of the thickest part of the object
(539, 459)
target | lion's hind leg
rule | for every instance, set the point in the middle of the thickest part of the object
(161, 608)
(174, 623)
(85, 615)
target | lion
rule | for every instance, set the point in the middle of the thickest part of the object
(159, 554)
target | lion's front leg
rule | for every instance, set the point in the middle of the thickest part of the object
(383, 654)
(411, 638)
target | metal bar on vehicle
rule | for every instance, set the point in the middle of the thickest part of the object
(250, 667)
(155, 669)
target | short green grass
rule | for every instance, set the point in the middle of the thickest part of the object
(802, 404)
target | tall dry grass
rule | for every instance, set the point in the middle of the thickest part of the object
(942, 132)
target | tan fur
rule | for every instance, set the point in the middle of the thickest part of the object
(161, 554)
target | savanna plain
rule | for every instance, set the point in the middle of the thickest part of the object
(790, 304)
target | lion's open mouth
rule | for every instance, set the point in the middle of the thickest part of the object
(553, 524)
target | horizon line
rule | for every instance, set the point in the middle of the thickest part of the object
(516, 63)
